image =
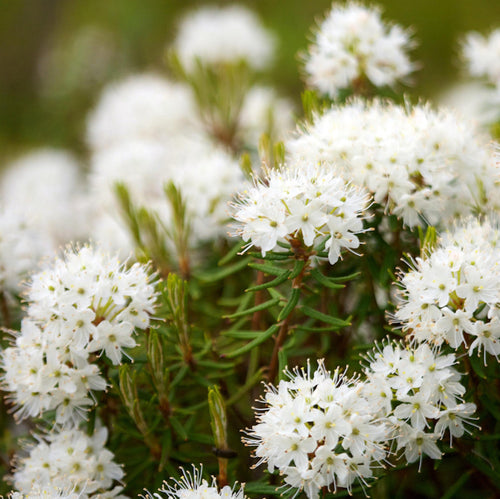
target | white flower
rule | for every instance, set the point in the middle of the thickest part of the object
(217, 35)
(482, 55)
(416, 443)
(352, 43)
(194, 486)
(68, 464)
(319, 430)
(302, 202)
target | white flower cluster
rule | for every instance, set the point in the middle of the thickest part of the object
(419, 394)
(84, 303)
(306, 203)
(353, 43)
(68, 464)
(482, 55)
(218, 35)
(49, 492)
(319, 430)
(194, 486)
(452, 295)
(420, 164)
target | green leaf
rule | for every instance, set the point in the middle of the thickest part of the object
(345, 278)
(264, 336)
(325, 281)
(267, 268)
(270, 284)
(242, 335)
(282, 363)
(320, 316)
(178, 427)
(298, 268)
(270, 256)
(457, 485)
(218, 275)
(246, 387)
(262, 489)
(292, 303)
(201, 438)
(231, 254)
(477, 364)
(262, 306)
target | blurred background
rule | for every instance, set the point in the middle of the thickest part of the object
(56, 55)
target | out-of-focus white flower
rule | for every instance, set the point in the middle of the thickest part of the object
(206, 175)
(304, 202)
(141, 107)
(422, 165)
(474, 101)
(264, 112)
(353, 43)
(482, 55)
(85, 302)
(194, 486)
(319, 430)
(46, 187)
(217, 35)
(69, 464)
(452, 295)
(22, 247)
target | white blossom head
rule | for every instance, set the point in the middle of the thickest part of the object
(452, 294)
(353, 43)
(424, 166)
(418, 392)
(45, 185)
(140, 107)
(304, 204)
(482, 55)
(82, 303)
(192, 485)
(318, 430)
(69, 464)
(219, 35)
